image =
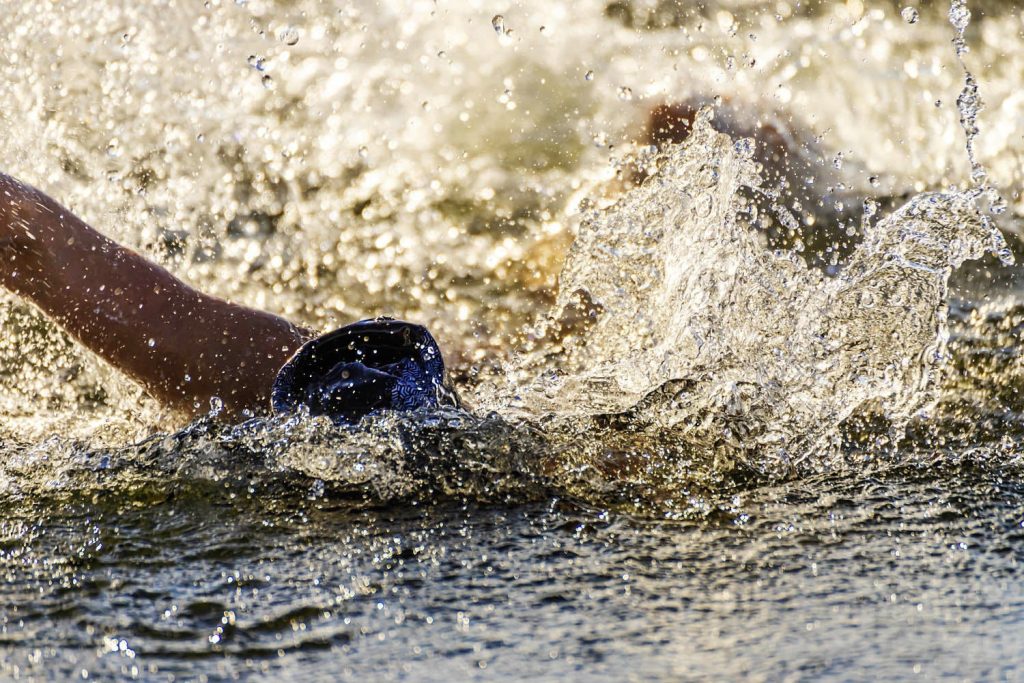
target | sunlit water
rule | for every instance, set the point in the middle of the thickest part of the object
(741, 407)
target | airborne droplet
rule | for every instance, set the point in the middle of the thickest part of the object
(910, 15)
(289, 35)
(498, 22)
(959, 15)
(744, 147)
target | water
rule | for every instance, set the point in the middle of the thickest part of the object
(742, 407)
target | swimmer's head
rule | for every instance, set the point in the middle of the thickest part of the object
(371, 365)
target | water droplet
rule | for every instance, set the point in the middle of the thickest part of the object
(785, 217)
(589, 76)
(838, 160)
(363, 152)
(498, 23)
(870, 208)
(744, 147)
(910, 15)
(959, 15)
(257, 62)
(216, 406)
(938, 103)
(625, 93)
(289, 35)
(268, 82)
(874, 181)
(703, 205)
(151, 342)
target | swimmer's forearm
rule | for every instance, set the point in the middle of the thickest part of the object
(183, 346)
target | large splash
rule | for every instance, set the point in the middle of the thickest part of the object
(690, 324)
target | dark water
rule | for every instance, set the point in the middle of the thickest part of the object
(908, 572)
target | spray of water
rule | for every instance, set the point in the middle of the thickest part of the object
(693, 327)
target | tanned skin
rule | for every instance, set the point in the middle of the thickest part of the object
(184, 347)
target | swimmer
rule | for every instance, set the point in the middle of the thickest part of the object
(185, 347)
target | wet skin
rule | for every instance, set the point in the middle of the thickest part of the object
(183, 346)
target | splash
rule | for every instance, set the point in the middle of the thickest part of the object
(970, 105)
(692, 326)
(969, 102)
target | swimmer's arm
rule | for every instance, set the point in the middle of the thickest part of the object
(184, 347)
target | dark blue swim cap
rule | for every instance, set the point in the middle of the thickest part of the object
(377, 364)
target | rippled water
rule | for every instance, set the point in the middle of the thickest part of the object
(745, 406)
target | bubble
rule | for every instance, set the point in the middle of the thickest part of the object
(910, 15)
(289, 35)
